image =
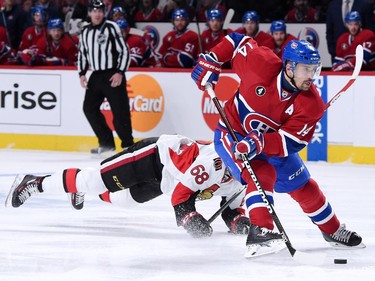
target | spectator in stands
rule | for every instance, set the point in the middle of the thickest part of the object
(27, 5)
(302, 12)
(180, 46)
(250, 21)
(280, 36)
(14, 20)
(51, 8)
(72, 10)
(130, 6)
(207, 5)
(347, 43)
(240, 8)
(38, 30)
(172, 5)
(336, 12)
(148, 11)
(215, 33)
(140, 52)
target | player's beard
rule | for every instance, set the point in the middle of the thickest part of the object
(305, 85)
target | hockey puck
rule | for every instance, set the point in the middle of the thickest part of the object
(340, 261)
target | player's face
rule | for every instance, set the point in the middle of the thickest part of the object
(304, 74)
(179, 23)
(38, 20)
(279, 37)
(353, 27)
(116, 16)
(56, 33)
(251, 27)
(97, 16)
(215, 25)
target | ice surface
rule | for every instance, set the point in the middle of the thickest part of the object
(46, 239)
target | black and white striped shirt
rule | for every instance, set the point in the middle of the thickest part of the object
(102, 47)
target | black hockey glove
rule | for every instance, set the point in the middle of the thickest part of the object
(187, 216)
(235, 220)
(196, 225)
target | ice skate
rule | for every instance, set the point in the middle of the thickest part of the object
(262, 241)
(344, 238)
(23, 187)
(77, 200)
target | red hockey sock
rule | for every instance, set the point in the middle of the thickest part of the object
(316, 207)
(69, 180)
(266, 174)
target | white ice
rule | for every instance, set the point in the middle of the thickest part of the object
(46, 239)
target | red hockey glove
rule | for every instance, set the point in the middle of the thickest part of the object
(343, 66)
(250, 146)
(206, 71)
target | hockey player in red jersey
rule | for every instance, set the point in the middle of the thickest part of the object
(5, 49)
(250, 21)
(280, 37)
(273, 113)
(140, 52)
(347, 43)
(180, 46)
(215, 33)
(33, 33)
(171, 164)
(59, 48)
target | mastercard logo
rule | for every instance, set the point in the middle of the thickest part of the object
(146, 102)
(224, 89)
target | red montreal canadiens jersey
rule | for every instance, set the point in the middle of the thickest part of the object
(175, 43)
(346, 45)
(190, 166)
(287, 120)
(211, 39)
(137, 49)
(262, 38)
(30, 36)
(66, 49)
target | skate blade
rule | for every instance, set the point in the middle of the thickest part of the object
(258, 250)
(343, 247)
(16, 182)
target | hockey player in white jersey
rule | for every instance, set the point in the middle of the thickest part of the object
(171, 164)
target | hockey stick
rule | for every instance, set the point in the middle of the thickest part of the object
(197, 8)
(227, 20)
(226, 204)
(297, 255)
(357, 69)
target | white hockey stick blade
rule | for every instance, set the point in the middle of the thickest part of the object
(309, 258)
(228, 19)
(357, 69)
(136, 31)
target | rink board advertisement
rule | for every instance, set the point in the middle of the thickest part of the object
(42, 109)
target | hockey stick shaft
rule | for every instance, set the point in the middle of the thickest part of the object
(227, 20)
(226, 204)
(357, 69)
(254, 178)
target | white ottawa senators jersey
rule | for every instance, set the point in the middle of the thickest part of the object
(190, 166)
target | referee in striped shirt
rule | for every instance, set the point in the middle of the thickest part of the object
(102, 48)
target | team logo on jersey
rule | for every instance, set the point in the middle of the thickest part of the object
(218, 164)
(309, 34)
(152, 35)
(344, 46)
(260, 91)
(255, 121)
(101, 38)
